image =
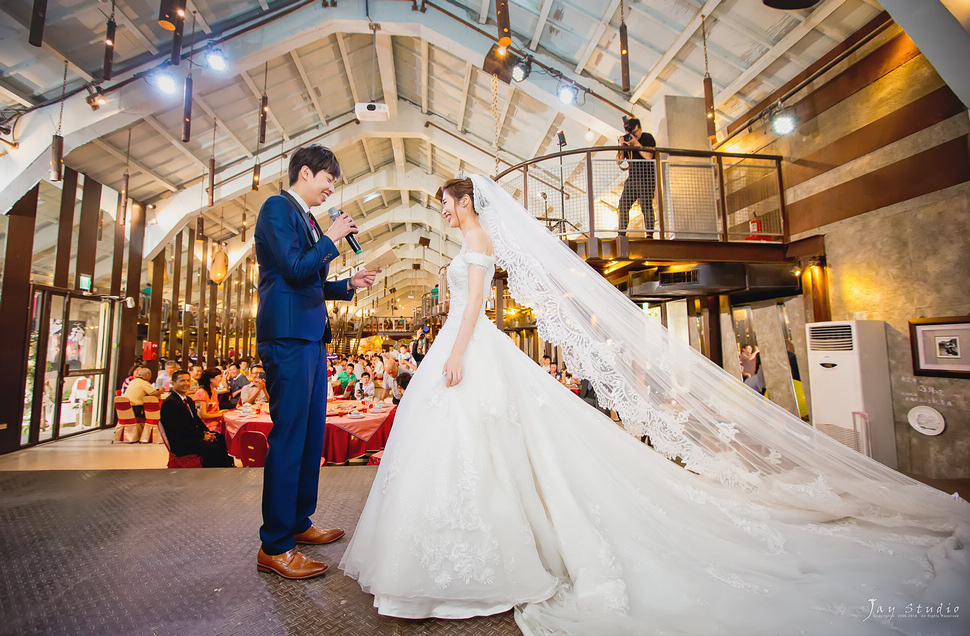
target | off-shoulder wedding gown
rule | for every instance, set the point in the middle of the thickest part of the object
(509, 491)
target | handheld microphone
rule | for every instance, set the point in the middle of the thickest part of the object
(334, 213)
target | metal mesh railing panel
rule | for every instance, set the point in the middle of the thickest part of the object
(751, 194)
(690, 199)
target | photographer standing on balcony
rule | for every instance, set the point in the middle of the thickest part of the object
(642, 180)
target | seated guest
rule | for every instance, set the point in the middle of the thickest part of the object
(235, 381)
(164, 379)
(207, 397)
(129, 377)
(255, 392)
(404, 358)
(346, 378)
(186, 433)
(364, 388)
(554, 371)
(195, 372)
(546, 363)
(403, 379)
(139, 388)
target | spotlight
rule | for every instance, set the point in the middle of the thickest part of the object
(503, 51)
(784, 122)
(95, 98)
(165, 81)
(521, 70)
(567, 94)
(216, 59)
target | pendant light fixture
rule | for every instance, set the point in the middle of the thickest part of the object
(263, 107)
(708, 90)
(502, 19)
(212, 166)
(38, 14)
(125, 178)
(187, 92)
(168, 13)
(219, 267)
(177, 35)
(242, 233)
(57, 143)
(255, 185)
(624, 52)
(109, 45)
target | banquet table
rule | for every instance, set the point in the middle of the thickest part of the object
(344, 437)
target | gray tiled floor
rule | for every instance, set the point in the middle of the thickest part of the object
(173, 552)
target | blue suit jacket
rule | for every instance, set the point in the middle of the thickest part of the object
(293, 286)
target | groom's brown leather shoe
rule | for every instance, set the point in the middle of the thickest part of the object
(290, 565)
(314, 536)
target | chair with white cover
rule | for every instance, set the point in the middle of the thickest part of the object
(129, 427)
(153, 411)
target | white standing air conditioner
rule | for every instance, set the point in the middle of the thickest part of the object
(848, 368)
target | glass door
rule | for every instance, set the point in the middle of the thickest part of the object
(71, 350)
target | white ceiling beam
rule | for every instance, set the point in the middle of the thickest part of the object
(469, 69)
(225, 129)
(385, 64)
(672, 51)
(430, 156)
(191, 8)
(541, 24)
(47, 48)
(345, 56)
(585, 54)
(120, 156)
(264, 5)
(258, 95)
(311, 92)
(121, 14)
(397, 145)
(550, 129)
(21, 98)
(483, 12)
(425, 63)
(502, 117)
(791, 38)
(370, 160)
(160, 129)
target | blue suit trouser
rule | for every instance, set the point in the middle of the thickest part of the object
(296, 379)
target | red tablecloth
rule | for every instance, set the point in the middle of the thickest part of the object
(344, 437)
(375, 459)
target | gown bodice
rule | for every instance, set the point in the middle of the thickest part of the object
(458, 272)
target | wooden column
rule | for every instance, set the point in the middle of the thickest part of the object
(712, 318)
(129, 317)
(226, 296)
(237, 321)
(118, 262)
(173, 319)
(212, 334)
(247, 306)
(200, 323)
(65, 228)
(87, 235)
(187, 316)
(155, 308)
(15, 314)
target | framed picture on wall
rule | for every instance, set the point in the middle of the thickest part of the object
(941, 346)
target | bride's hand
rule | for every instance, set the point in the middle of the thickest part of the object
(453, 370)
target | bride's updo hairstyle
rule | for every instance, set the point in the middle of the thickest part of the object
(458, 188)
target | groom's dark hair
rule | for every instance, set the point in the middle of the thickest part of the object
(316, 158)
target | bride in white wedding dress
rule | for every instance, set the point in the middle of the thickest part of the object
(499, 488)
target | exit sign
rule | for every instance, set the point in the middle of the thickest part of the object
(84, 282)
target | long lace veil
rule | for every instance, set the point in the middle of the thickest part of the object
(692, 409)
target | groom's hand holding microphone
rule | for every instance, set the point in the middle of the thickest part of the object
(342, 226)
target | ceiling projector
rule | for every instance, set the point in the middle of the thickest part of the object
(372, 111)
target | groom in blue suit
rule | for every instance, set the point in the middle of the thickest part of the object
(292, 332)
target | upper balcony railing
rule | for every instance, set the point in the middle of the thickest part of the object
(695, 195)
